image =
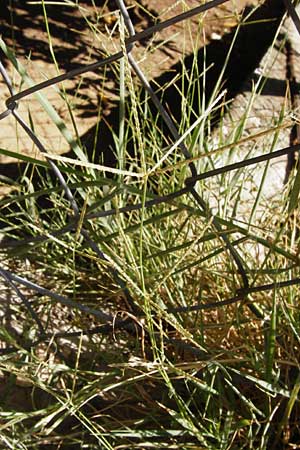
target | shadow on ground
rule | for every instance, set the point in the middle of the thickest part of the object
(245, 56)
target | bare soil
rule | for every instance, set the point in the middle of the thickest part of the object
(83, 35)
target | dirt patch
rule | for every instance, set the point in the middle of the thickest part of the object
(79, 36)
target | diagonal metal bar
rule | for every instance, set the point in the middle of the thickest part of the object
(24, 300)
(241, 164)
(110, 59)
(167, 119)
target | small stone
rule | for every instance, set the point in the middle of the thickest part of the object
(215, 36)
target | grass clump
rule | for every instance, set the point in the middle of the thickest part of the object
(133, 326)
